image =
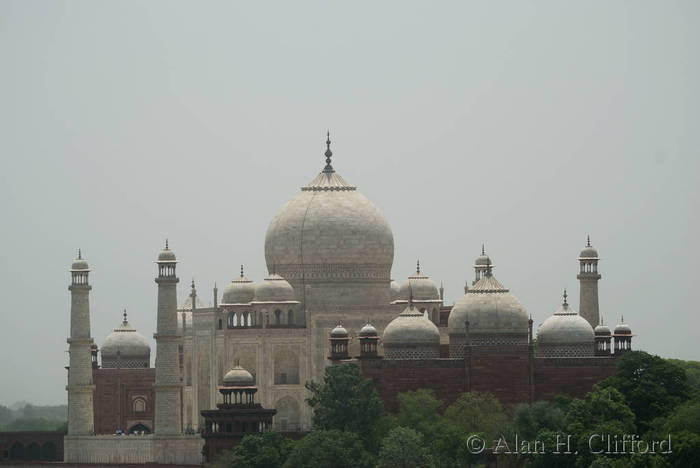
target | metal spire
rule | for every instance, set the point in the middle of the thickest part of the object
(125, 321)
(418, 266)
(565, 297)
(588, 241)
(166, 244)
(483, 251)
(242, 271)
(328, 153)
(79, 255)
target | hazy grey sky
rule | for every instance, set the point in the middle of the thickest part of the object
(523, 125)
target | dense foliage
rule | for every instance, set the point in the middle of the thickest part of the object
(29, 417)
(649, 396)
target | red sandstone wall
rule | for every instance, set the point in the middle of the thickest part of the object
(114, 394)
(503, 371)
(391, 377)
(570, 376)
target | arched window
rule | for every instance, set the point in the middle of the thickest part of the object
(230, 318)
(287, 417)
(17, 451)
(139, 405)
(48, 451)
(138, 428)
(286, 367)
(278, 317)
(290, 317)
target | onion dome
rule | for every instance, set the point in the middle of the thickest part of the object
(420, 285)
(395, 291)
(368, 330)
(274, 288)
(601, 330)
(492, 311)
(239, 291)
(483, 259)
(588, 251)
(411, 336)
(566, 328)
(330, 231)
(166, 255)
(238, 377)
(622, 328)
(79, 264)
(125, 347)
(339, 332)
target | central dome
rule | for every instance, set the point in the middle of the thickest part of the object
(330, 232)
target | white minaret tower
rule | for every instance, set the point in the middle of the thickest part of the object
(168, 384)
(80, 387)
(588, 276)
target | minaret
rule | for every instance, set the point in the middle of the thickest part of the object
(588, 276)
(168, 384)
(80, 387)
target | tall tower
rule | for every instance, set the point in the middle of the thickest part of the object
(80, 387)
(168, 385)
(588, 276)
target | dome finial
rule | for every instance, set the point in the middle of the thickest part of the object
(588, 241)
(242, 271)
(166, 245)
(328, 153)
(80, 256)
(483, 250)
(565, 297)
(125, 321)
(418, 266)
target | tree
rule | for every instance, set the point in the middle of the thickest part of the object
(269, 450)
(419, 410)
(403, 448)
(530, 419)
(329, 449)
(346, 401)
(603, 404)
(478, 412)
(652, 386)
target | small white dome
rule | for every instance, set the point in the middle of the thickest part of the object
(238, 377)
(602, 330)
(565, 327)
(411, 328)
(274, 288)
(422, 287)
(588, 251)
(125, 347)
(239, 291)
(623, 329)
(490, 309)
(79, 265)
(166, 255)
(368, 330)
(339, 332)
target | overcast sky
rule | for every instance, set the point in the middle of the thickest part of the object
(521, 125)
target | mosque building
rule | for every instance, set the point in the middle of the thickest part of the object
(329, 252)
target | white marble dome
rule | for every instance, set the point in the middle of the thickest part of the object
(339, 332)
(623, 329)
(238, 377)
(490, 309)
(411, 336)
(166, 255)
(602, 330)
(330, 230)
(368, 330)
(239, 291)
(79, 264)
(274, 288)
(565, 327)
(422, 287)
(125, 347)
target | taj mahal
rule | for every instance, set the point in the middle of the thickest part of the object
(329, 297)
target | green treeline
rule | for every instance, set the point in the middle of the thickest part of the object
(34, 418)
(648, 399)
